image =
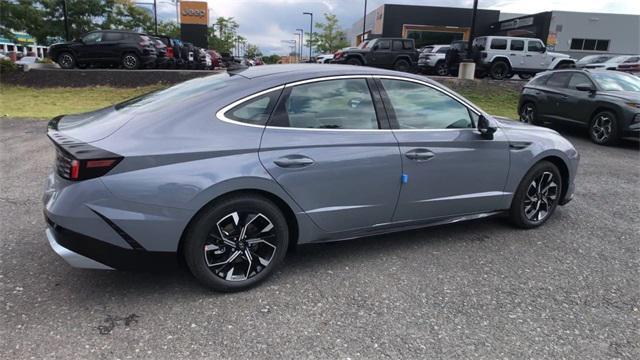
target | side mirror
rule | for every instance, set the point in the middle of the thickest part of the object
(487, 127)
(375, 47)
(585, 87)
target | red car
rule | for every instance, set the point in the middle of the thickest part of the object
(215, 58)
(631, 65)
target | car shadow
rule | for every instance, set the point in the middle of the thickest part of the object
(578, 132)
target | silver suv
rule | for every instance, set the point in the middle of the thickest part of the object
(503, 56)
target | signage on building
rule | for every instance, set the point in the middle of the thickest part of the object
(194, 12)
(516, 23)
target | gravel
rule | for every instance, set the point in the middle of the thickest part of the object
(570, 289)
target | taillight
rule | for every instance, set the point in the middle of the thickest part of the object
(77, 161)
(169, 52)
(337, 55)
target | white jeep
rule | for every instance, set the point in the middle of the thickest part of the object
(503, 56)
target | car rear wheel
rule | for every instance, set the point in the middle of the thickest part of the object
(442, 69)
(499, 70)
(525, 76)
(603, 128)
(236, 243)
(528, 113)
(66, 60)
(537, 196)
(354, 61)
(130, 61)
(402, 65)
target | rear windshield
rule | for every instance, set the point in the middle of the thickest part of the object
(176, 95)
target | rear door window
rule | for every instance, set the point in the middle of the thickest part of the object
(110, 36)
(517, 45)
(383, 44)
(499, 44)
(397, 45)
(255, 111)
(559, 80)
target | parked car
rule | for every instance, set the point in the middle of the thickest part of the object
(172, 51)
(607, 103)
(612, 63)
(432, 59)
(131, 50)
(216, 59)
(394, 53)
(324, 58)
(504, 55)
(630, 65)
(238, 168)
(162, 58)
(593, 59)
(258, 61)
(455, 54)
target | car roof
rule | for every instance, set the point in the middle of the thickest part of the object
(309, 71)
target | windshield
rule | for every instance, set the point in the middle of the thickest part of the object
(615, 81)
(595, 59)
(618, 59)
(427, 49)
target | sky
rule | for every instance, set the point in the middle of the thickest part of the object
(267, 22)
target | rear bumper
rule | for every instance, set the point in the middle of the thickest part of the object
(82, 251)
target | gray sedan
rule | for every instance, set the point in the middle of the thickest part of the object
(228, 171)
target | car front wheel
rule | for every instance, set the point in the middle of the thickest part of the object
(236, 243)
(603, 128)
(441, 69)
(537, 196)
(354, 61)
(402, 65)
(66, 61)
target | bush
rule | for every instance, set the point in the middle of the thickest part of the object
(7, 66)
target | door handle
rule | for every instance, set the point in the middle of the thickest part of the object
(419, 154)
(293, 161)
(564, 97)
(528, 55)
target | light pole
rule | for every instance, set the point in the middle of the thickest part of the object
(364, 21)
(472, 33)
(301, 41)
(310, 33)
(66, 20)
(155, 15)
(297, 48)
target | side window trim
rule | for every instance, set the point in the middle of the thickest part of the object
(391, 115)
(221, 114)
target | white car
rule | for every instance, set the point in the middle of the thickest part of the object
(612, 64)
(504, 55)
(323, 59)
(593, 59)
(432, 59)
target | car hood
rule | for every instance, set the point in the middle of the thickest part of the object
(624, 95)
(507, 123)
(558, 55)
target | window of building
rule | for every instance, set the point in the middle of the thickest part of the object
(590, 44)
(334, 104)
(499, 44)
(517, 45)
(427, 37)
(417, 106)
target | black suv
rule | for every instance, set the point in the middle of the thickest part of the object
(129, 49)
(393, 53)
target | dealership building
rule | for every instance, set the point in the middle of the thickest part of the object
(574, 33)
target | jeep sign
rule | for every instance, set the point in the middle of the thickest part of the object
(194, 12)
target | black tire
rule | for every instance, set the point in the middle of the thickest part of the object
(499, 70)
(528, 113)
(525, 76)
(441, 69)
(530, 206)
(130, 61)
(354, 61)
(219, 218)
(603, 128)
(66, 60)
(402, 65)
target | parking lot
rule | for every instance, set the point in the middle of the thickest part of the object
(569, 289)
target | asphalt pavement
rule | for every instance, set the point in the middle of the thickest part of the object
(482, 289)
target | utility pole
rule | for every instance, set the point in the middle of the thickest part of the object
(178, 12)
(310, 33)
(66, 20)
(301, 41)
(298, 47)
(155, 15)
(364, 21)
(472, 33)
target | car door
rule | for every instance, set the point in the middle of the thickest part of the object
(380, 54)
(555, 91)
(536, 58)
(88, 49)
(109, 48)
(577, 106)
(324, 146)
(449, 168)
(516, 53)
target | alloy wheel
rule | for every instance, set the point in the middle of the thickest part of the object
(130, 62)
(527, 114)
(602, 128)
(541, 196)
(442, 70)
(66, 61)
(240, 246)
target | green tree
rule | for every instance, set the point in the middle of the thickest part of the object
(222, 34)
(271, 59)
(329, 38)
(252, 51)
(169, 28)
(21, 15)
(125, 14)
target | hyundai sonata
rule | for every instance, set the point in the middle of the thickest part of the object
(228, 171)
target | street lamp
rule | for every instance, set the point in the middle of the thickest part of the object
(310, 33)
(364, 20)
(297, 48)
(301, 41)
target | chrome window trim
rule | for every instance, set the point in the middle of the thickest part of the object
(221, 113)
